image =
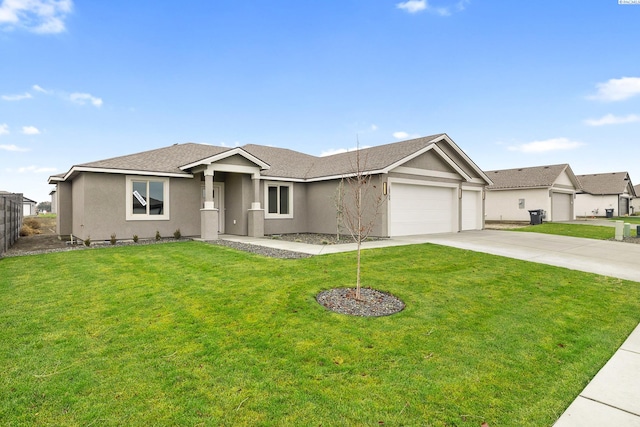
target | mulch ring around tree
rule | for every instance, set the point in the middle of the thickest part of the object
(372, 303)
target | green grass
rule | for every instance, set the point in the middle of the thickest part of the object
(599, 232)
(629, 219)
(196, 334)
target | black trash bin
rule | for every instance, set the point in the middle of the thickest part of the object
(609, 213)
(536, 216)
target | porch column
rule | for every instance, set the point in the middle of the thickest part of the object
(256, 213)
(208, 214)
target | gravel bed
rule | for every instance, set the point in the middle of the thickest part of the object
(318, 238)
(627, 240)
(261, 250)
(372, 303)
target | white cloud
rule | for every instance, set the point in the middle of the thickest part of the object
(4, 129)
(30, 130)
(13, 148)
(405, 135)
(400, 135)
(415, 6)
(374, 128)
(83, 98)
(38, 88)
(617, 89)
(36, 169)
(552, 144)
(26, 95)
(332, 151)
(610, 119)
(38, 16)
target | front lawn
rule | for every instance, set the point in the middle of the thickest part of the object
(599, 232)
(196, 334)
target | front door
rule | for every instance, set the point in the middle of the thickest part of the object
(218, 203)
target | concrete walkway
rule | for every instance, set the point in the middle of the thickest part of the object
(612, 398)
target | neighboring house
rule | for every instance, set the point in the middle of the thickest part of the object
(430, 184)
(28, 207)
(515, 192)
(635, 202)
(604, 191)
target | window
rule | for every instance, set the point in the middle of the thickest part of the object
(279, 200)
(147, 199)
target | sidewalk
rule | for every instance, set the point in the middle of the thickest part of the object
(612, 398)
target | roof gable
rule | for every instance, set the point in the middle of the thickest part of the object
(530, 177)
(607, 183)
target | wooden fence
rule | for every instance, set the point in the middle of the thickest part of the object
(10, 220)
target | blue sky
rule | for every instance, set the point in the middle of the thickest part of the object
(514, 84)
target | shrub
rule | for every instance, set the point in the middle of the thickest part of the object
(31, 223)
(25, 230)
(87, 241)
(177, 235)
(158, 237)
(113, 239)
(135, 238)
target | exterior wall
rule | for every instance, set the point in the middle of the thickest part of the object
(64, 203)
(595, 205)
(635, 205)
(297, 224)
(429, 161)
(503, 205)
(77, 201)
(238, 190)
(453, 154)
(322, 207)
(99, 202)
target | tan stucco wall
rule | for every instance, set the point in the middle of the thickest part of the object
(64, 205)
(100, 203)
(502, 205)
(297, 224)
(238, 194)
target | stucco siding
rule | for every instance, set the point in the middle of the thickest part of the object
(297, 224)
(64, 205)
(595, 205)
(238, 194)
(100, 201)
(504, 205)
(429, 161)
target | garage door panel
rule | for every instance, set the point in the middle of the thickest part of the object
(561, 207)
(420, 209)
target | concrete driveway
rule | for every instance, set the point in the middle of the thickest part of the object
(609, 258)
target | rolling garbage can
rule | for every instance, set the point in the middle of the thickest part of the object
(609, 213)
(536, 216)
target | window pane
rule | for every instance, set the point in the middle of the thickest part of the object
(156, 198)
(284, 200)
(273, 199)
(139, 197)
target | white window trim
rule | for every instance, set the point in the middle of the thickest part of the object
(268, 184)
(129, 199)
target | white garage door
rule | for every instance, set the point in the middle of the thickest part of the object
(420, 209)
(471, 210)
(561, 207)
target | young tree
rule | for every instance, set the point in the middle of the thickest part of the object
(361, 201)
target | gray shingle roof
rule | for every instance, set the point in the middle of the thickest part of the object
(283, 163)
(531, 177)
(164, 160)
(605, 183)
